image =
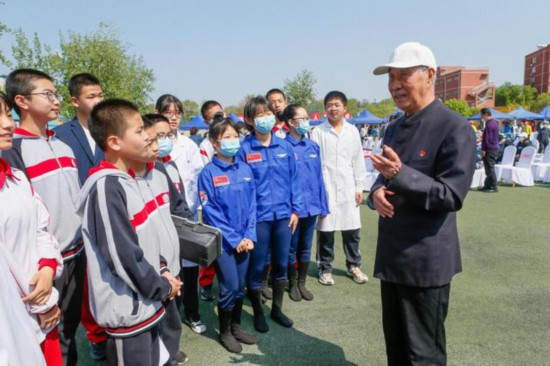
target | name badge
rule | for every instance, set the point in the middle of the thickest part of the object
(221, 180)
(253, 158)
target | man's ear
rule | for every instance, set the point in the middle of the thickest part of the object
(74, 102)
(22, 102)
(113, 143)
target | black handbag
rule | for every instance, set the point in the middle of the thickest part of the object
(199, 243)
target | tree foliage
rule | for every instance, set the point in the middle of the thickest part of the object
(190, 108)
(460, 106)
(301, 89)
(511, 95)
(543, 100)
(3, 59)
(100, 53)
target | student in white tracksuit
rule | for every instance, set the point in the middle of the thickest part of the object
(185, 154)
(343, 168)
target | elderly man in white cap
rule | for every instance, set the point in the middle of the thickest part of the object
(426, 168)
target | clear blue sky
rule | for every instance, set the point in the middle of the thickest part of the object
(225, 49)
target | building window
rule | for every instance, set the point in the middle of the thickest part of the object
(534, 59)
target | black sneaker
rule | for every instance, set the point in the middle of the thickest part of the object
(98, 351)
(206, 293)
(181, 358)
(490, 190)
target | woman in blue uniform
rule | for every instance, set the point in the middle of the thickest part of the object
(278, 200)
(228, 197)
(308, 163)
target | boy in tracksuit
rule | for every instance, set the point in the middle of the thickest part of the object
(155, 185)
(50, 166)
(124, 270)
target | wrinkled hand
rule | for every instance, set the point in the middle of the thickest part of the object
(50, 319)
(381, 204)
(358, 198)
(293, 223)
(175, 283)
(388, 166)
(43, 283)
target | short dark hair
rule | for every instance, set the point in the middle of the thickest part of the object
(155, 118)
(485, 112)
(21, 82)
(251, 105)
(218, 128)
(335, 94)
(109, 118)
(275, 91)
(207, 105)
(78, 81)
(165, 101)
(290, 112)
(5, 100)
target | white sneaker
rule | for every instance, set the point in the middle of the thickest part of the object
(325, 278)
(357, 275)
(197, 327)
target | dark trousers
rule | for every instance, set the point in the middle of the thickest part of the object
(69, 286)
(300, 245)
(325, 248)
(489, 162)
(231, 268)
(273, 237)
(190, 293)
(413, 319)
(139, 350)
(170, 329)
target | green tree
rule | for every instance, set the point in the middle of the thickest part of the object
(353, 107)
(543, 100)
(510, 95)
(3, 29)
(383, 108)
(100, 53)
(190, 108)
(301, 89)
(460, 106)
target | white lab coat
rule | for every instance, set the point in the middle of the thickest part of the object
(207, 151)
(343, 173)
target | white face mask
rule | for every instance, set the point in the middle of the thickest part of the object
(265, 124)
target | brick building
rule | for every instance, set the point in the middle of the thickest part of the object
(469, 84)
(537, 69)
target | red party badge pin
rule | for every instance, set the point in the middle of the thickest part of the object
(422, 153)
(220, 180)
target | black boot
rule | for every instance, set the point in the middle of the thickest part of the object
(302, 276)
(226, 337)
(267, 294)
(277, 306)
(260, 324)
(236, 329)
(294, 293)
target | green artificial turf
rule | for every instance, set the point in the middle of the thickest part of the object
(499, 310)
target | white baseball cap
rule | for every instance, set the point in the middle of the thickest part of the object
(408, 54)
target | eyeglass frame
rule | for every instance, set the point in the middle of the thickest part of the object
(49, 95)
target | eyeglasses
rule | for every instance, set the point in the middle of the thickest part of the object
(170, 114)
(50, 95)
(301, 119)
(169, 135)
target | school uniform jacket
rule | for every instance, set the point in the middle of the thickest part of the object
(278, 193)
(50, 166)
(119, 227)
(228, 198)
(187, 158)
(312, 186)
(72, 133)
(24, 235)
(419, 245)
(158, 191)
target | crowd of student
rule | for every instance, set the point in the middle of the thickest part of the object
(86, 228)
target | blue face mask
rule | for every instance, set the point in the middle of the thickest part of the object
(229, 147)
(264, 124)
(303, 128)
(165, 147)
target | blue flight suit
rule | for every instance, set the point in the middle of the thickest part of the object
(227, 194)
(312, 186)
(277, 196)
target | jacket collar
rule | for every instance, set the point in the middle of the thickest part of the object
(254, 142)
(25, 133)
(295, 142)
(222, 164)
(104, 164)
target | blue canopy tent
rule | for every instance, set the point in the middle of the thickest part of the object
(197, 122)
(317, 122)
(366, 117)
(545, 112)
(234, 118)
(521, 113)
(496, 114)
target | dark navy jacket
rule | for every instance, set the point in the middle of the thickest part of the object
(278, 193)
(73, 135)
(419, 245)
(227, 194)
(312, 186)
